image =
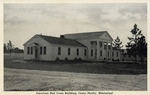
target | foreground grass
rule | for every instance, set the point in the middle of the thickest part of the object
(16, 61)
(57, 76)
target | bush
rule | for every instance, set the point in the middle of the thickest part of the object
(57, 59)
(79, 59)
(118, 60)
(75, 59)
(66, 59)
(113, 60)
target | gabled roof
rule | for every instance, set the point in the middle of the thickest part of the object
(61, 41)
(87, 35)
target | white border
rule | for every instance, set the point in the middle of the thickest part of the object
(69, 1)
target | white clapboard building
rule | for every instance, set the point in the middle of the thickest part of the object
(95, 46)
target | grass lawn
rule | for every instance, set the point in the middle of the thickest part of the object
(57, 76)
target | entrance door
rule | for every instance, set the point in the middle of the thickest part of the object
(36, 53)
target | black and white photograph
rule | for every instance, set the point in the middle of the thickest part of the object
(75, 47)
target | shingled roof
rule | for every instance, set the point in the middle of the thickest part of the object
(61, 41)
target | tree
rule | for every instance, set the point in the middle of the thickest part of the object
(5, 48)
(16, 50)
(117, 43)
(10, 47)
(142, 47)
(136, 44)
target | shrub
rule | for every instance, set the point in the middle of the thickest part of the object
(57, 59)
(66, 59)
(79, 59)
(75, 59)
(118, 60)
(113, 60)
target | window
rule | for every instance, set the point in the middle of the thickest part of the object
(40, 50)
(105, 46)
(28, 50)
(112, 54)
(31, 50)
(85, 52)
(100, 44)
(109, 47)
(101, 53)
(108, 53)
(91, 52)
(68, 51)
(117, 54)
(59, 51)
(77, 52)
(44, 50)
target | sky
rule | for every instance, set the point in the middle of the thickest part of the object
(22, 21)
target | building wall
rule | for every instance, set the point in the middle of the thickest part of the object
(42, 43)
(64, 52)
(94, 47)
(115, 57)
(52, 50)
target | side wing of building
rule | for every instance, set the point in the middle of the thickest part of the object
(99, 45)
(47, 48)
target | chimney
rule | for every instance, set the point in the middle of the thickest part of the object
(62, 36)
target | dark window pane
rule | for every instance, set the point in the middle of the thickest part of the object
(59, 51)
(44, 50)
(28, 50)
(77, 52)
(117, 54)
(41, 50)
(100, 53)
(112, 54)
(91, 52)
(68, 51)
(31, 50)
(85, 52)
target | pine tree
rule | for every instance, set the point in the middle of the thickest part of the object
(117, 43)
(137, 43)
(10, 47)
(5, 48)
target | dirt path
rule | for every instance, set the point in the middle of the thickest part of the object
(28, 80)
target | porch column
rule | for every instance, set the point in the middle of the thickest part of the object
(98, 50)
(106, 50)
